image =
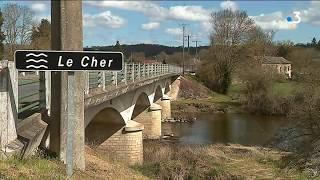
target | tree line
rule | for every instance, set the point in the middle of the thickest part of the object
(19, 30)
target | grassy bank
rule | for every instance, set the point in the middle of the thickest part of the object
(232, 102)
(194, 97)
(98, 166)
(164, 161)
(31, 168)
(172, 161)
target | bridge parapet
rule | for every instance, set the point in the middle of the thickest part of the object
(9, 103)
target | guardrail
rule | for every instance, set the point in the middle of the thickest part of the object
(35, 88)
(130, 74)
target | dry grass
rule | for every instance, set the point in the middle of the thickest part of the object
(31, 168)
(190, 88)
(163, 161)
(37, 167)
(100, 166)
(172, 161)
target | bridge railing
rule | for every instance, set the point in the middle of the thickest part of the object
(130, 73)
(29, 94)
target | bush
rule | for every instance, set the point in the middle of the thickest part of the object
(216, 69)
(172, 161)
(258, 91)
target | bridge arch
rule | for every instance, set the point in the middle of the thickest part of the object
(157, 93)
(141, 104)
(167, 88)
(104, 124)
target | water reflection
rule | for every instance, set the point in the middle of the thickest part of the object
(226, 128)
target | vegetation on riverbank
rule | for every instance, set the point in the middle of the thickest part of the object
(164, 161)
(98, 166)
(172, 161)
(232, 102)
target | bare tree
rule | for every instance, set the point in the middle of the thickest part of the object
(162, 56)
(25, 26)
(230, 27)
(41, 35)
(259, 42)
(17, 26)
(230, 31)
(137, 57)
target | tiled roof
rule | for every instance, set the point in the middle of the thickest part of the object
(272, 60)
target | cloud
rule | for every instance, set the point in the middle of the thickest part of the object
(277, 21)
(148, 8)
(311, 14)
(104, 19)
(273, 21)
(206, 26)
(190, 13)
(38, 7)
(150, 26)
(174, 31)
(156, 12)
(229, 5)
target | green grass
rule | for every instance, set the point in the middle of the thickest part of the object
(286, 88)
(32, 167)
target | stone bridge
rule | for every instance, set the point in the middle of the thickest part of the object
(121, 109)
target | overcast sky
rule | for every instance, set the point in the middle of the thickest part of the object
(158, 22)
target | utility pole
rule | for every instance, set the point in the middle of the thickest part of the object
(189, 43)
(196, 41)
(67, 94)
(183, 36)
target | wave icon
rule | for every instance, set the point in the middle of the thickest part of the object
(37, 67)
(36, 63)
(36, 55)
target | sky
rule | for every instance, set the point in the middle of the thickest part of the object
(160, 22)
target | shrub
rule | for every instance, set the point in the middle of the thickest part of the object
(258, 91)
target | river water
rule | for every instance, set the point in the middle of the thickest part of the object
(242, 129)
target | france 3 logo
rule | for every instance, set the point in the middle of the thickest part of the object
(296, 19)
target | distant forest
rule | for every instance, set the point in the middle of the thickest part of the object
(150, 50)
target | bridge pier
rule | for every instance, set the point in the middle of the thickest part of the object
(165, 103)
(151, 119)
(126, 144)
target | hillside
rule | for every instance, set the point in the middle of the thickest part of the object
(150, 50)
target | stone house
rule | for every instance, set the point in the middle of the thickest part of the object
(276, 64)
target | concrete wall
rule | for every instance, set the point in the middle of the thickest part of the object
(8, 102)
(283, 69)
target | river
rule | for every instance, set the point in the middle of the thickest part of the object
(242, 129)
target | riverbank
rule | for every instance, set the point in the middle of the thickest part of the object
(164, 161)
(196, 98)
(174, 161)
